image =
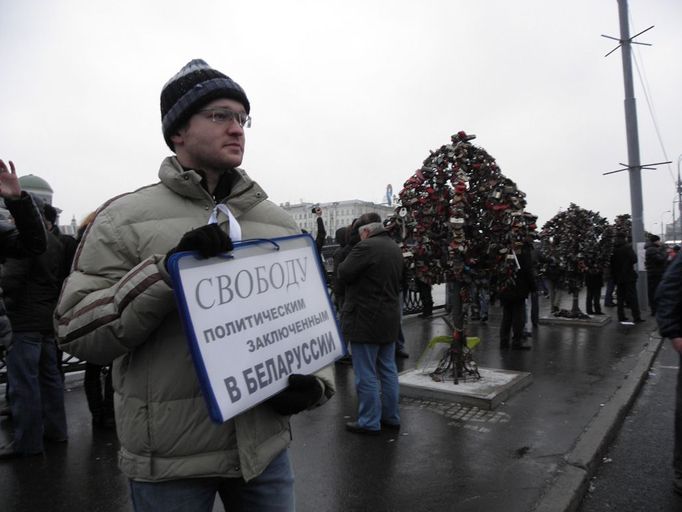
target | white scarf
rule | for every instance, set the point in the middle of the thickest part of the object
(235, 229)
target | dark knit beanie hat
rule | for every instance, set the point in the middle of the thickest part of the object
(50, 213)
(195, 85)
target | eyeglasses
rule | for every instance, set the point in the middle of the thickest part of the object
(223, 115)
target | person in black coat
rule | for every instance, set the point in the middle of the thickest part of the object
(68, 242)
(513, 299)
(669, 318)
(594, 280)
(372, 273)
(339, 287)
(655, 261)
(23, 237)
(69, 245)
(426, 297)
(32, 286)
(321, 235)
(624, 275)
(339, 255)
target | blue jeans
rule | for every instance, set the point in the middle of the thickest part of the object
(483, 301)
(373, 365)
(533, 300)
(36, 391)
(271, 491)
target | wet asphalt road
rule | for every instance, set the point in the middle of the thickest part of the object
(635, 473)
(446, 457)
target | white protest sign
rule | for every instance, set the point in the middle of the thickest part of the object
(254, 318)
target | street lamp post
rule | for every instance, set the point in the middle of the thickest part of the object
(674, 226)
(662, 225)
(679, 187)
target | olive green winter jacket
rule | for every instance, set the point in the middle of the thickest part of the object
(117, 305)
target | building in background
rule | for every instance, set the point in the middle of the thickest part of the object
(37, 186)
(335, 215)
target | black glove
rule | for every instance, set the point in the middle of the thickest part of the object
(303, 392)
(208, 240)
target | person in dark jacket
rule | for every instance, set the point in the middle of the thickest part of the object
(337, 257)
(426, 297)
(372, 273)
(594, 280)
(346, 243)
(36, 395)
(624, 275)
(23, 237)
(321, 235)
(534, 255)
(513, 300)
(552, 274)
(68, 242)
(610, 288)
(347, 239)
(669, 318)
(19, 239)
(655, 259)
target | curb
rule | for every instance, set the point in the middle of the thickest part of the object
(566, 491)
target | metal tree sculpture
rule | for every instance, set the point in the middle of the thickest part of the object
(461, 216)
(622, 225)
(574, 241)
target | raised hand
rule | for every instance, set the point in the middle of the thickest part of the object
(9, 183)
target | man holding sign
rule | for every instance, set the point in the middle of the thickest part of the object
(118, 305)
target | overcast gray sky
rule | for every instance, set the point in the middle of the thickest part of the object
(347, 96)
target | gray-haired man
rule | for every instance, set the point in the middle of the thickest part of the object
(372, 273)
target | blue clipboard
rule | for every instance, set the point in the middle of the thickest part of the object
(254, 316)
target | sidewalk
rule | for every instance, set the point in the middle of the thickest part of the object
(534, 452)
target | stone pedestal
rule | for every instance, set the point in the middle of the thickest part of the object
(593, 321)
(494, 387)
